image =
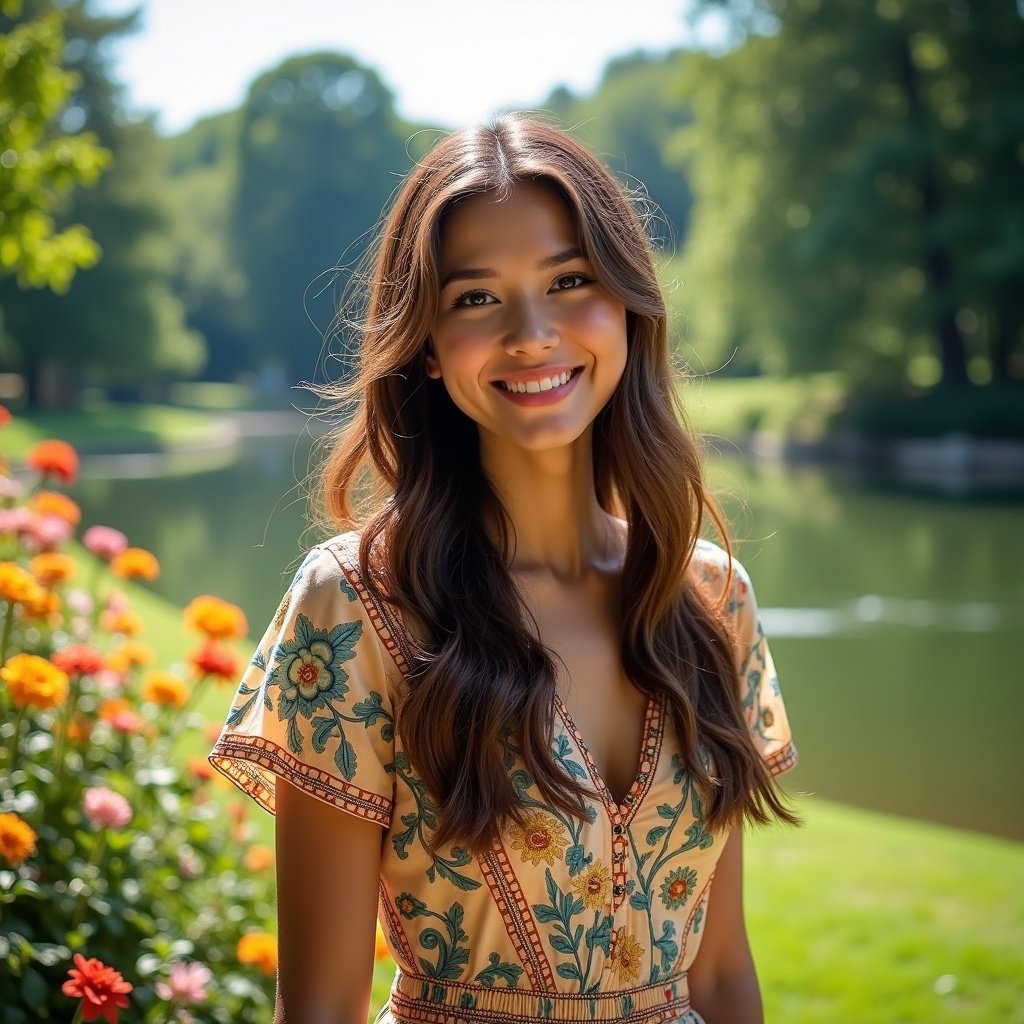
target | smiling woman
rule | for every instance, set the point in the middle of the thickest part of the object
(522, 663)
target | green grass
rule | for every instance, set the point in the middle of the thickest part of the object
(854, 918)
(112, 427)
(733, 407)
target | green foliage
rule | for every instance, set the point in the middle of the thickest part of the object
(38, 164)
(320, 152)
(859, 208)
(170, 884)
(120, 321)
(637, 106)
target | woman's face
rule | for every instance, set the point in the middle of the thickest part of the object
(526, 341)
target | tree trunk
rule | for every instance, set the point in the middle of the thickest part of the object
(938, 261)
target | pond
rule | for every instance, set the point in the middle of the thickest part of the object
(897, 622)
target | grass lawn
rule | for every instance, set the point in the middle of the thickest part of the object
(857, 917)
(111, 427)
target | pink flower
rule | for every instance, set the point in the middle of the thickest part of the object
(105, 808)
(104, 541)
(16, 520)
(79, 601)
(187, 983)
(10, 489)
(47, 533)
(189, 863)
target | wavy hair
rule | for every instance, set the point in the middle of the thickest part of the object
(425, 546)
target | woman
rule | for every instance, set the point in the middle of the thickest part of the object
(543, 705)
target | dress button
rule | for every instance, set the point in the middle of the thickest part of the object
(617, 829)
(618, 890)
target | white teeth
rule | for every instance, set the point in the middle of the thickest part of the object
(534, 387)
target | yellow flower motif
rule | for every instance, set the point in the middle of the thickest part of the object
(539, 837)
(51, 503)
(165, 689)
(218, 619)
(258, 949)
(17, 840)
(135, 564)
(52, 567)
(19, 585)
(594, 886)
(34, 681)
(627, 956)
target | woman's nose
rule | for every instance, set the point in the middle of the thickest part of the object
(529, 330)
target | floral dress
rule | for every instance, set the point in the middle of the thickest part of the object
(595, 917)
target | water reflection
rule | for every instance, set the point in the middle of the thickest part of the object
(896, 621)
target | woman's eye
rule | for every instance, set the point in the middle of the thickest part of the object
(568, 282)
(474, 297)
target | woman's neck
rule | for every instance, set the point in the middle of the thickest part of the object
(558, 526)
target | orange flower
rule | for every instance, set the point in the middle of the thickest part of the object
(258, 858)
(34, 681)
(165, 689)
(119, 713)
(131, 654)
(258, 949)
(219, 620)
(213, 659)
(17, 840)
(212, 732)
(18, 585)
(5, 415)
(79, 730)
(52, 503)
(55, 458)
(380, 945)
(46, 606)
(200, 768)
(78, 659)
(125, 622)
(53, 567)
(135, 564)
(102, 989)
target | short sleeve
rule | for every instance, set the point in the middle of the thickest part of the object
(761, 695)
(313, 706)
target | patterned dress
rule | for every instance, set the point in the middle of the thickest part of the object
(595, 917)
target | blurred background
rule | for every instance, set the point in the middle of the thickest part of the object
(836, 194)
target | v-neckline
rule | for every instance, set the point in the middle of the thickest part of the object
(647, 760)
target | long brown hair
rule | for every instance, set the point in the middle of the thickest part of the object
(481, 674)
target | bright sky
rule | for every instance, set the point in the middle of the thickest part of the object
(449, 62)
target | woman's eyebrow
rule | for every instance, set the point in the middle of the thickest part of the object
(477, 273)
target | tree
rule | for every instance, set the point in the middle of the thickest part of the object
(39, 163)
(858, 176)
(119, 322)
(320, 152)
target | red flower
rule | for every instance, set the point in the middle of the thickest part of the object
(5, 415)
(102, 989)
(78, 659)
(213, 659)
(54, 457)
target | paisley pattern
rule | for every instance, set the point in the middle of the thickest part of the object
(591, 916)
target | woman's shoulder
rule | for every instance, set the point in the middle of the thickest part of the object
(715, 568)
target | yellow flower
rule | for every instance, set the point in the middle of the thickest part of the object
(46, 605)
(50, 503)
(627, 956)
(258, 858)
(17, 840)
(131, 654)
(124, 621)
(34, 681)
(539, 837)
(135, 564)
(219, 620)
(258, 949)
(19, 585)
(53, 567)
(165, 689)
(594, 886)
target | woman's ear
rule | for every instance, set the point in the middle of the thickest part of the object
(430, 360)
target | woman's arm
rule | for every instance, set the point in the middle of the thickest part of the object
(328, 869)
(723, 983)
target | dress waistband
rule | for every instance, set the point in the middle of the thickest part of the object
(419, 1000)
